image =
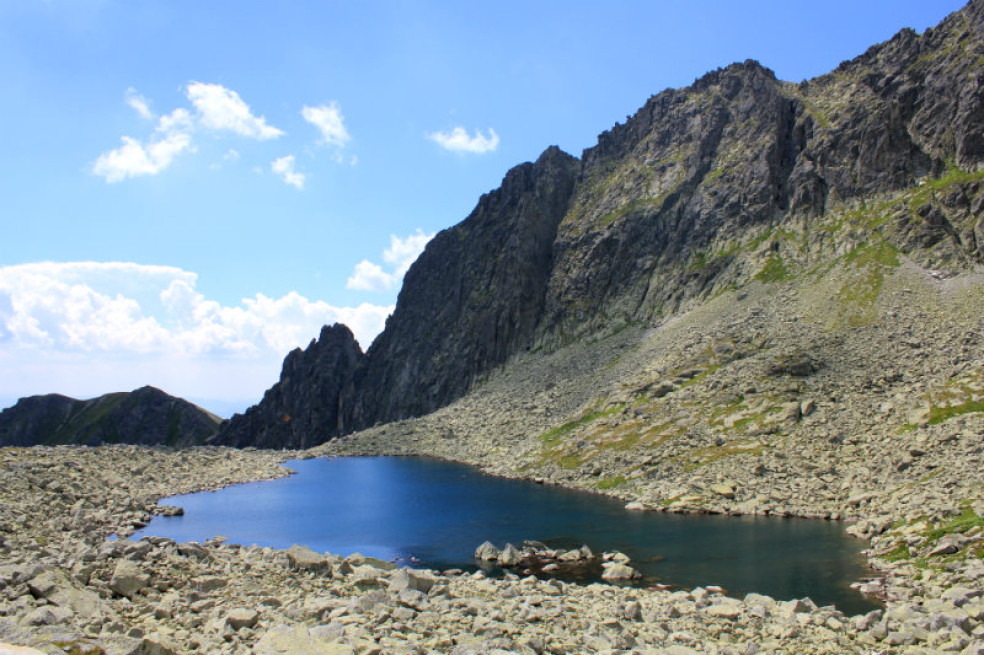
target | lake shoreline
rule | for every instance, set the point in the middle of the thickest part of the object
(60, 581)
(432, 513)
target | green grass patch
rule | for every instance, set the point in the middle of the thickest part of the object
(699, 377)
(882, 253)
(939, 414)
(550, 438)
(967, 520)
(897, 554)
(698, 262)
(953, 177)
(866, 266)
(704, 456)
(714, 175)
(570, 461)
(773, 271)
(612, 482)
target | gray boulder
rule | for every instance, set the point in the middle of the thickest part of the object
(242, 617)
(620, 572)
(128, 578)
(487, 552)
(510, 556)
(303, 558)
(58, 589)
(405, 579)
(297, 640)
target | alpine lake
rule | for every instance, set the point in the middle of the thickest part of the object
(429, 513)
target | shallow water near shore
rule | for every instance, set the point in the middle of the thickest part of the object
(431, 513)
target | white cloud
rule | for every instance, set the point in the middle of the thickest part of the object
(215, 108)
(328, 119)
(457, 140)
(86, 328)
(404, 252)
(220, 108)
(139, 103)
(284, 167)
(368, 276)
(135, 158)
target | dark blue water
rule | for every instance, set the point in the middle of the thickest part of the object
(435, 513)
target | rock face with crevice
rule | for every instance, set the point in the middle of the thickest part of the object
(736, 178)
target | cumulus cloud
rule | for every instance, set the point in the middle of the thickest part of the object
(216, 108)
(404, 252)
(284, 167)
(220, 108)
(457, 140)
(329, 121)
(135, 158)
(401, 253)
(85, 328)
(370, 277)
(138, 103)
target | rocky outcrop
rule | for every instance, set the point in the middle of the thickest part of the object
(738, 178)
(306, 406)
(146, 416)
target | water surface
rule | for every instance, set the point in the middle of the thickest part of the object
(433, 513)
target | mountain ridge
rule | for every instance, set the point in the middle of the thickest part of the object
(733, 179)
(145, 416)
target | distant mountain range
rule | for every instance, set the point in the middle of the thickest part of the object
(146, 416)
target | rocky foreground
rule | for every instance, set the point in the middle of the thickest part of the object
(64, 588)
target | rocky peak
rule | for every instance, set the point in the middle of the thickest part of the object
(304, 408)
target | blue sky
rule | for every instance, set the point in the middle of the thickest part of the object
(188, 190)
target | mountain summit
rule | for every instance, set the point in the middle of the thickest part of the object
(738, 179)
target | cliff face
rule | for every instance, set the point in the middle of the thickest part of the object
(472, 299)
(707, 188)
(146, 416)
(305, 407)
